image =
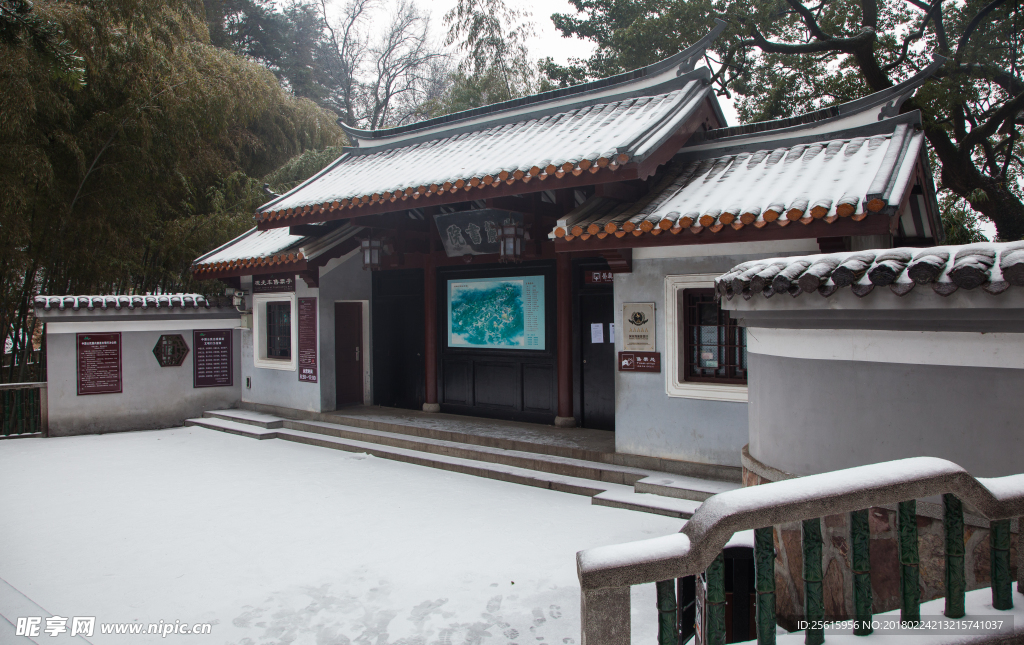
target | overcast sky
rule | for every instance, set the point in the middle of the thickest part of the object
(548, 42)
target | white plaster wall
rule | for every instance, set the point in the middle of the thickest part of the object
(647, 420)
(341, 279)
(810, 416)
(152, 396)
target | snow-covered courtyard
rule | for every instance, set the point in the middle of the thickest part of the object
(278, 542)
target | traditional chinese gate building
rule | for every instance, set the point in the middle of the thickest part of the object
(385, 278)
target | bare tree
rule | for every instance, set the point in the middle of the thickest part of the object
(380, 80)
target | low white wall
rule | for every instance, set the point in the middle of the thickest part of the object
(822, 400)
(152, 396)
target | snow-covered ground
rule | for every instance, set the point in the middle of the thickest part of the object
(278, 542)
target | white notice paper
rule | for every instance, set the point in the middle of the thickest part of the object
(597, 332)
(611, 332)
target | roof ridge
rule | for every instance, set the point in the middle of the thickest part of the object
(889, 100)
(684, 61)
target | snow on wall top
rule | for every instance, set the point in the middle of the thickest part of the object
(827, 180)
(116, 303)
(994, 267)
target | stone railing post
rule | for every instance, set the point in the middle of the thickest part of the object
(956, 582)
(668, 617)
(764, 584)
(860, 560)
(1020, 555)
(999, 547)
(814, 601)
(910, 585)
(605, 618)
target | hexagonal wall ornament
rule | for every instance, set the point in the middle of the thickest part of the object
(170, 350)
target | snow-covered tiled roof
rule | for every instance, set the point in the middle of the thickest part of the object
(847, 177)
(994, 267)
(841, 162)
(589, 138)
(116, 303)
(275, 247)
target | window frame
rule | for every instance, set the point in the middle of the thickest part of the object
(260, 326)
(709, 390)
(687, 343)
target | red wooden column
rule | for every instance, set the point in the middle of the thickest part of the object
(430, 404)
(563, 308)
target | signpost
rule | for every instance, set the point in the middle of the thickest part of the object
(307, 340)
(598, 277)
(639, 361)
(212, 358)
(99, 363)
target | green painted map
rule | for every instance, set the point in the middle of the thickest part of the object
(496, 313)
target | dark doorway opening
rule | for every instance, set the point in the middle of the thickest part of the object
(348, 353)
(595, 345)
(398, 339)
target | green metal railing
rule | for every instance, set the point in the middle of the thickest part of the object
(606, 573)
(814, 612)
(23, 409)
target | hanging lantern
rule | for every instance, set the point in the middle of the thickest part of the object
(372, 251)
(510, 241)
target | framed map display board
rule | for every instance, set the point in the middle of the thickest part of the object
(496, 313)
(99, 363)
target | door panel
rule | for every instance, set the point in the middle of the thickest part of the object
(398, 339)
(348, 352)
(496, 384)
(597, 372)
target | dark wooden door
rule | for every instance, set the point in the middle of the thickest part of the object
(398, 339)
(348, 352)
(597, 354)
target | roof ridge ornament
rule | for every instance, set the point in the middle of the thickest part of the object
(891, 99)
(692, 54)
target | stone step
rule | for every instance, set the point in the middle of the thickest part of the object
(681, 487)
(513, 474)
(580, 468)
(491, 470)
(607, 484)
(647, 502)
(233, 427)
(577, 443)
(247, 416)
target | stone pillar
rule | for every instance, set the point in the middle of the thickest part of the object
(605, 616)
(563, 295)
(430, 403)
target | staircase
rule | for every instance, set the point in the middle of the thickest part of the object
(507, 459)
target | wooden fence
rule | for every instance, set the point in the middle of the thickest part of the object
(23, 409)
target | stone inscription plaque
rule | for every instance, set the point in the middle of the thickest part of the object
(273, 283)
(307, 340)
(211, 357)
(99, 363)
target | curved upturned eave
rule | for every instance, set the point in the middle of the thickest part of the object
(683, 62)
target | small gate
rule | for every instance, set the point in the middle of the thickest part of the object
(23, 409)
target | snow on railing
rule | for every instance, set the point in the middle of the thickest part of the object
(606, 573)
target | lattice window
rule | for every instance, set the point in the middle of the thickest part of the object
(170, 350)
(714, 347)
(279, 330)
